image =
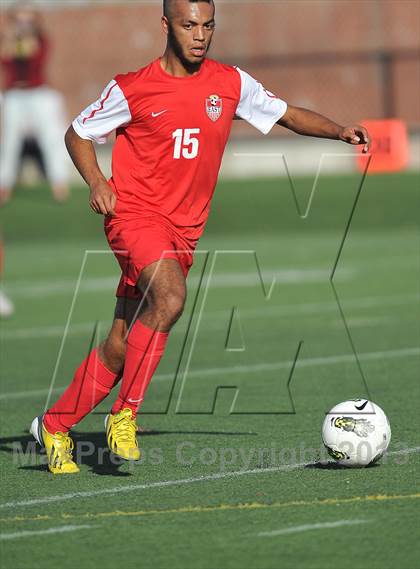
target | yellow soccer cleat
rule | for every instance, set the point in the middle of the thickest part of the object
(58, 447)
(121, 434)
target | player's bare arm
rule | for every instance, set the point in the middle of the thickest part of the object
(102, 199)
(309, 123)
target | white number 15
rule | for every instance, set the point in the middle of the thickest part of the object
(185, 143)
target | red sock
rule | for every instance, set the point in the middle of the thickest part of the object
(145, 348)
(92, 382)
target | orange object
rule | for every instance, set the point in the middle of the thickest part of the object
(389, 150)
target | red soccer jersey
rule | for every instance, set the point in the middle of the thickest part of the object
(171, 135)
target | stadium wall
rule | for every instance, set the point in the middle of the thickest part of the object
(349, 60)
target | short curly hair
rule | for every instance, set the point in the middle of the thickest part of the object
(167, 3)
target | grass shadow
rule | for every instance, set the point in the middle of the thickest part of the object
(331, 465)
(90, 449)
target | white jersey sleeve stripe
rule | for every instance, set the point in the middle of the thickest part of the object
(101, 103)
(103, 116)
(258, 106)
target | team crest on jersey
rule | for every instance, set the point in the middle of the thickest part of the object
(214, 107)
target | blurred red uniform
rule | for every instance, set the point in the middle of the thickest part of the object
(26, 72)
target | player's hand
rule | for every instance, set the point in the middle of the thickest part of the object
(102, 199)
(356, 135)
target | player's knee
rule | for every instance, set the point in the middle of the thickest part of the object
(169, 308)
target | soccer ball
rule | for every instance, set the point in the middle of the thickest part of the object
(356, 433)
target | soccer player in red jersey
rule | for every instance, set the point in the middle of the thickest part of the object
(172, 120)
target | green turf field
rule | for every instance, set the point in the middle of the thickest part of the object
(215, 488)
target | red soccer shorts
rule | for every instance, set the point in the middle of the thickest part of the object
(140, 241)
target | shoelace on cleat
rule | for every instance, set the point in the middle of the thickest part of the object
(64, 446)
(125, 429)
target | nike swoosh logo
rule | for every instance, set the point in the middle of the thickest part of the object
(154, 115)
(135, 400)
(362, 406)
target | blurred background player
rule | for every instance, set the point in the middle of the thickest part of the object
(30, 108)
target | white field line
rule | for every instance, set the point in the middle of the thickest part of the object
(308, 362)
(243, 369)
(310, 527)
(58, 529)
(166, 483)
(218, 280)
(364, 322)
(217, 319)
(46, 332)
